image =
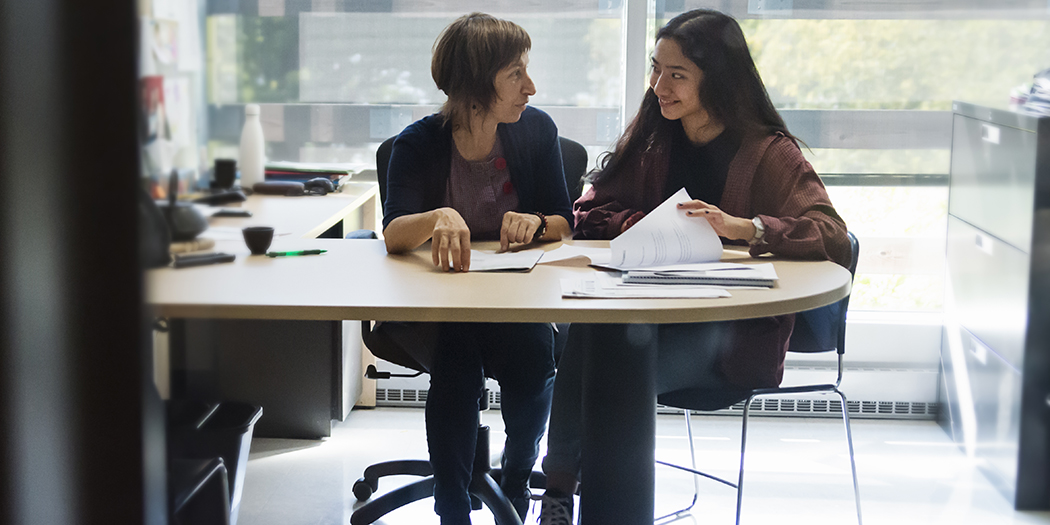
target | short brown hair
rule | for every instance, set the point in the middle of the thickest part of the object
(467, 56)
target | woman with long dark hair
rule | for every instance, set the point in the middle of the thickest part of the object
(705, 124)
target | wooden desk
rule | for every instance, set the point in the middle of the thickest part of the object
(619, 390)
(409, 288)
(305, 217)
(303, 373)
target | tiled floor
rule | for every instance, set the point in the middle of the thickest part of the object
(798, 472)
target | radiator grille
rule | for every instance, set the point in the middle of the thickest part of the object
(779, 406)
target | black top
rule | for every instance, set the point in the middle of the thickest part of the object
(701, 170)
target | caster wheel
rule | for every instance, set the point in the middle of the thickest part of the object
(363, 489)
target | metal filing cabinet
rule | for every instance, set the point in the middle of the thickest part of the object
(995, 351)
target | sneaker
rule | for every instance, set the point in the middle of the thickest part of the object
(556, 509)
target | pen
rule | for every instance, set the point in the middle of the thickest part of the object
(292, 254)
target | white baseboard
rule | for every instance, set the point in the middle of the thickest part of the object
(891, 371)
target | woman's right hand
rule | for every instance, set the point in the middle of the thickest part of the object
(450, 243)
(632, 220)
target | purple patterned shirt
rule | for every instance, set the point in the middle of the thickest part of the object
(481, 191)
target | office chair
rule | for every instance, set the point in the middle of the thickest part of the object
(408, 347)
(818, 330)
(573, 161)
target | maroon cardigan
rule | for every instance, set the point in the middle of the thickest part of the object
(768, 178)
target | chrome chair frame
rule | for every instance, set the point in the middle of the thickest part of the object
(750, 395)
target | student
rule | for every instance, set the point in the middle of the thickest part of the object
(487, 167)
(705, 124)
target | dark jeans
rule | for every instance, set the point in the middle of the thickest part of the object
(519, 356)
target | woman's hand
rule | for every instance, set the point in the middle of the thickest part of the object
(517, 228)
(724, 224)
(632, 220)
(450, 242)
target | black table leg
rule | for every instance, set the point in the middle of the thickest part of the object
(619, 423)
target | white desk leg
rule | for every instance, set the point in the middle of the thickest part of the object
(369, 220)
(161, 364)
(369, 213)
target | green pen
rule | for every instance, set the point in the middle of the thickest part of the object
(293, 254)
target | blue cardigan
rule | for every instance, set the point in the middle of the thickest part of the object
(421, 161)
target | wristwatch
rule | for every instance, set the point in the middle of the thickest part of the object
(543, 226)
(760, 230)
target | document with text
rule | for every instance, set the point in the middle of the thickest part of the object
(666, 236)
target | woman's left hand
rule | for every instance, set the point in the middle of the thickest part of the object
(517, 228)
(724, 224)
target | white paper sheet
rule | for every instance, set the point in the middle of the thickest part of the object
(596, 256)
(666, 236)
(491, 261)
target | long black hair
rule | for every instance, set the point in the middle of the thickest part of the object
(731, 90)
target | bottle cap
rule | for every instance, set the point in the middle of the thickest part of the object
(251, 109)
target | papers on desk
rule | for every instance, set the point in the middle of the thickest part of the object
(663, 237)
(491, 261)
(603, 285)
(664, 255)
(714, 274)
(666, 236)
(302, 171)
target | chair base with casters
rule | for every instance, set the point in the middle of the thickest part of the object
(410, 348)
(819, 330)
(484, 485)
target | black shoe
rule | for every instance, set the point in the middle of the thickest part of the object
(515, 487)
(521, 503)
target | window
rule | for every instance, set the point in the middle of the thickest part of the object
(336, 78)
(868, 86)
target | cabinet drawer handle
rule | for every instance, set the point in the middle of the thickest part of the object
(990, 133)
(1048, 400)
(980, 352)
(983, 242)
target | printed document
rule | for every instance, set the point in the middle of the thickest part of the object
(663, 237)
(666, 236)
(492, 261)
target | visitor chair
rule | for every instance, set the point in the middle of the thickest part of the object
(818, 330)
(397, 344)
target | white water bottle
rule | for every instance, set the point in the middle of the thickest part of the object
(253, 148)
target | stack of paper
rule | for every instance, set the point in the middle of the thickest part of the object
(718, 274)
(303, 171)
(666, 254)
(604, 285)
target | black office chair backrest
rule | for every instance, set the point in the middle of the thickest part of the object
(824, 329)
(573, 161)
(382, 164)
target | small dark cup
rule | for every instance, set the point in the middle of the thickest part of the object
(258, 238)
(224, 174)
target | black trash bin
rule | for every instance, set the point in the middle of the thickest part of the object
(198, 430)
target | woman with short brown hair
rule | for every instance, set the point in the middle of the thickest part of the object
(487, 167)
